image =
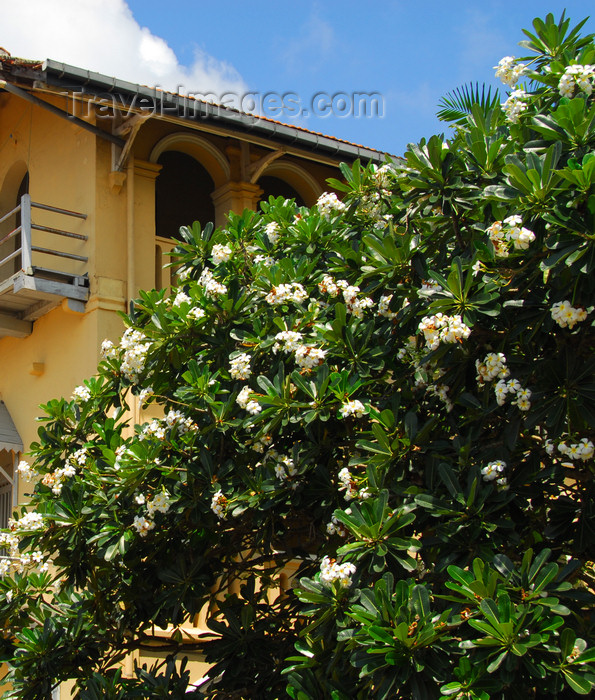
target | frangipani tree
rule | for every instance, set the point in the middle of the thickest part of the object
(392, 392)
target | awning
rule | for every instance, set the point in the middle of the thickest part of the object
(9, 435)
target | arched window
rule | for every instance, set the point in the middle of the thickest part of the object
(275, 187)
(15, 185)
(182, 194)
(286, 178)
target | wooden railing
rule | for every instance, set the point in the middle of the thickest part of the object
(32, 241)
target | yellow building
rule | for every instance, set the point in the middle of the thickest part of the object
(96, 177)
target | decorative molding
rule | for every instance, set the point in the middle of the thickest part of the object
(199, 148)
(144, 168)
(299, 178)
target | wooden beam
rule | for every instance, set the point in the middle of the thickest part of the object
(15, 327)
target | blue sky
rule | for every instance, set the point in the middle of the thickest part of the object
(410, 52)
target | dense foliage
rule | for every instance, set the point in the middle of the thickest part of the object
(392, 393)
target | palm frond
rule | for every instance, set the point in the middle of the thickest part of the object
(455, 106)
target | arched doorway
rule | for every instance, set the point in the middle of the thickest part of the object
(182, 194)
(275, 187)
(15, 185)
(285, 178)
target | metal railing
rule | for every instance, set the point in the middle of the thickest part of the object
(27, 244)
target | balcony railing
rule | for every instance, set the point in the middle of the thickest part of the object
(164, 276)
(24, 251)
(42, 261)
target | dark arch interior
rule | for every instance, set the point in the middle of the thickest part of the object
(182, 194)
(278, 188)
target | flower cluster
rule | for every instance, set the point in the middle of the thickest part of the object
(26, 471)
(81, 394)
(239, 366)
(178, 420)
(181, 298)
(328, 204)
(383, 175)
(10, 541)
(196, 313)
(219, 504)
(160, 503)
(582, 450)
(262, 443)
(142, 524)
(29, 521)
(512, 387)
(264, 260)
(515, 105)
(244, 401)
(577, 76)
(272, 231)
(503, 233)
(334, 527)
(331, 572)
(154, 429)
(55, 480)
(443, 329)
(284, 468)
(288, 341)
(18, 561)
(492, 367)
(309, 357)
(430, 287)
(508, 71)
(287, 292)
(220, 253)
(352, 408)
(347, 484)
(492, 472)
(328, 286)
(306, 356)
(212, 287)
(353, 304)
(108, 350)
(566, 315)
(135, 354)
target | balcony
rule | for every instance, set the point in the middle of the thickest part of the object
(41, 264)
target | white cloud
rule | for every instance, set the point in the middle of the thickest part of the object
(311, 44)
(103, 36)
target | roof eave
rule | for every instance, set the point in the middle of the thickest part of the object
(57, 74)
